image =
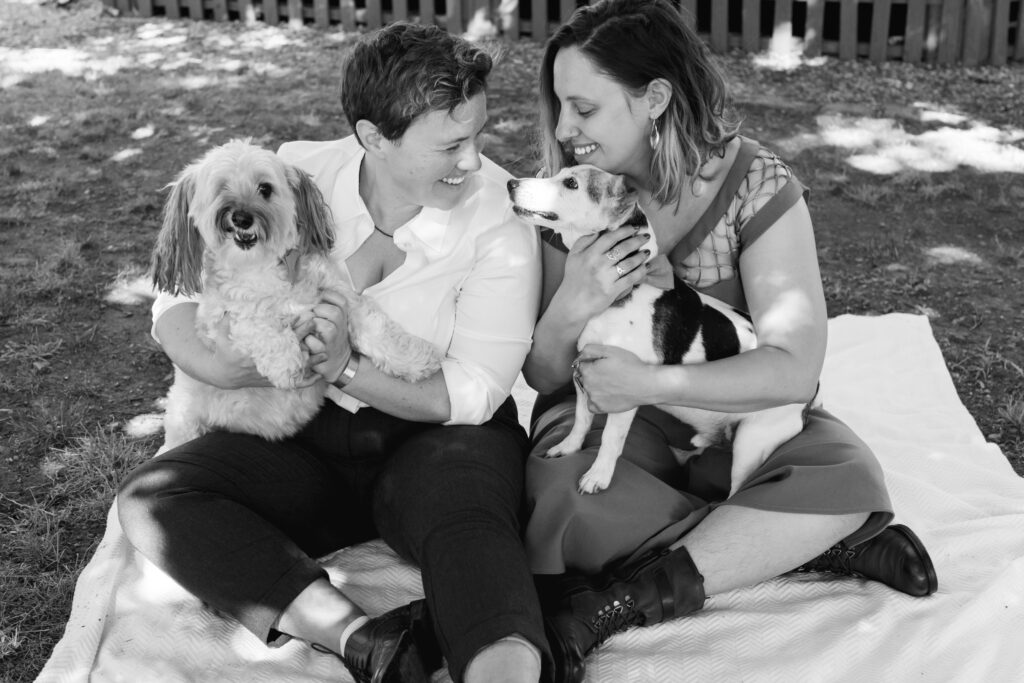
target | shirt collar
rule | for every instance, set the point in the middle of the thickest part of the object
(352, 218)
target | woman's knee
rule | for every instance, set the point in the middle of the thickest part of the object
(457, 478)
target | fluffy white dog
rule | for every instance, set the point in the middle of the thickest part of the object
(252, 236)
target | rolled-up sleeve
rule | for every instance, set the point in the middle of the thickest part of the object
(164, 302)
(495, 314)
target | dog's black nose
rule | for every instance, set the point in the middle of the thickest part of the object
(241, 219)
(512, 184)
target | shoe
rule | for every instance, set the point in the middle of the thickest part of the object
(655, 588)
(895, 557)
(384, 649)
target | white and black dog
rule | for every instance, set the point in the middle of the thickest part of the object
(251, 236)
(674, 326)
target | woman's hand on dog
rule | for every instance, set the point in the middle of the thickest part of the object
(603, 268)
(328, 342)
(615, 380)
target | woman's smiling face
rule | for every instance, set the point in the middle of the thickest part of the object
(428, 166)
(599, 121)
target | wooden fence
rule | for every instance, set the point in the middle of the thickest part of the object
(970, 32)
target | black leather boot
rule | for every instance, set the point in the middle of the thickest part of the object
(896, 557)
(386, 649)
(657, 587)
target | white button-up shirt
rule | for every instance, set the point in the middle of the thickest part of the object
(470, 282)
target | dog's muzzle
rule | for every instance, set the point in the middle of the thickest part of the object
(240, 224)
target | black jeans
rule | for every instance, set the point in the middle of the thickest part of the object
(238, 520)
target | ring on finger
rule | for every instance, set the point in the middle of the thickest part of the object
(612, 254)
(620, 270)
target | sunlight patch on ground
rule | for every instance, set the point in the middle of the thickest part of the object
(38, 120)
(163, 46)
(130, 290)
(17, 64)
(144, 425)
(126, 154)
(882, 145)
(948, 254)
(143, 133)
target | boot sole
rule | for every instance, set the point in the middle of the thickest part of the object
(926, 560)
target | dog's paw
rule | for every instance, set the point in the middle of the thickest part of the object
(594, 481)
(566, 447)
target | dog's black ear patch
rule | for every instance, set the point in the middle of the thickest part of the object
(675, 323)
(637, 219)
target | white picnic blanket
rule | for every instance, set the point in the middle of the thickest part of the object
(884, 375)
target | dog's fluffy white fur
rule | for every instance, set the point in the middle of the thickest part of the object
(691, 328)
(252, 236)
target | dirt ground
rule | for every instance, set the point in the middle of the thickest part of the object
(915, 173)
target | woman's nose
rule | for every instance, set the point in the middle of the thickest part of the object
(565, 129)
(470, 159)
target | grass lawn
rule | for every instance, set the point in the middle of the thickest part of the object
(916, 178)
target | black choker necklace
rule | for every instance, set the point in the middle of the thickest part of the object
(389, 236)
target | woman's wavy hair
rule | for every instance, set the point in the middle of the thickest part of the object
(405, 70)
(634, 42)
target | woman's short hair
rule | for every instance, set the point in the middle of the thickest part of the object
(634, 42)
(404, 70)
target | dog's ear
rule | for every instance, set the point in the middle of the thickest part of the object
(313, 218)
(178, 256)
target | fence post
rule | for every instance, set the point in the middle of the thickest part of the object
(880, 14)
(814, 27)
(949, 33)
(977, 32)
(913, 39)
(720, 27)
(688, 8)
(848, 29)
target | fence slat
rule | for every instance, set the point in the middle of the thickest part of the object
(321, 13)
(977, 31)
(880, 13)
(145, 8)
(566, 8)
(347, 13)
(719, 26)
(949, 31)
(782, 31)
(913, 37)
(1000, 33)
(399, 10)
(1018, 49)
(220, 10)
(375, 15)
(539, 20)
(195, 10)
(848, 29)
(427, 11)
(453, 21)
(751, 31)
(171, 8)
(508, 16)
(295, 12)
(688, 8)
(270, 12)
(813, 38)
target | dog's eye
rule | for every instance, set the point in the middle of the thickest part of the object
(265, 190)
(570, 183)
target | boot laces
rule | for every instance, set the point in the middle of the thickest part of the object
(615, 618)
(835, 560)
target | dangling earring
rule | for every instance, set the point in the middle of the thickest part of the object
(655, 136)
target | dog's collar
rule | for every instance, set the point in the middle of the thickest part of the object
(290, 261)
